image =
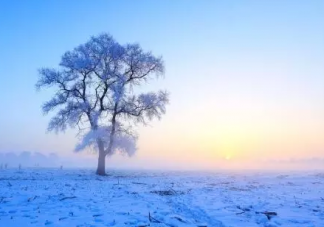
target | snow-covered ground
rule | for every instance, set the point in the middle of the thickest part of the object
(70, 198)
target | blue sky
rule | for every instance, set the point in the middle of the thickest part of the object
(240, 73)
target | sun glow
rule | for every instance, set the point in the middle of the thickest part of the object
(228, 157)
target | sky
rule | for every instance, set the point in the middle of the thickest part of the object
(246, 78)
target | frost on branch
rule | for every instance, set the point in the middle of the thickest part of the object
(141, 65)
(145, 106)
(101, 53)
(68, 116)
(124, 142)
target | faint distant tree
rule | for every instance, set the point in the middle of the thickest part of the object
(97, 92)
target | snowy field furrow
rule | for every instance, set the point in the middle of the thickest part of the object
(78, 198)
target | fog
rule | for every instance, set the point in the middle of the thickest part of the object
(27, 159)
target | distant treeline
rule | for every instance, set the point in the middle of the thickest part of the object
(28, 159)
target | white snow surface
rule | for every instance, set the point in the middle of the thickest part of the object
(71, 198)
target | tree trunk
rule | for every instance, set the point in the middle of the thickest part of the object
(101, 169)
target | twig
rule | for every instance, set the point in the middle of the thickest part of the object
(153, 219)
(71, 197)
(32, 198)
(242, 209)
(240, 213)
(173, 190)
(269, 214)
(138, 183)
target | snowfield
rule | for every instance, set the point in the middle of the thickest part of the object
(70, 198)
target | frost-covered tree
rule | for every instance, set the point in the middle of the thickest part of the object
(96, 88)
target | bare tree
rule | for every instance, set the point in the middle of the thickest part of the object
(96, 91)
